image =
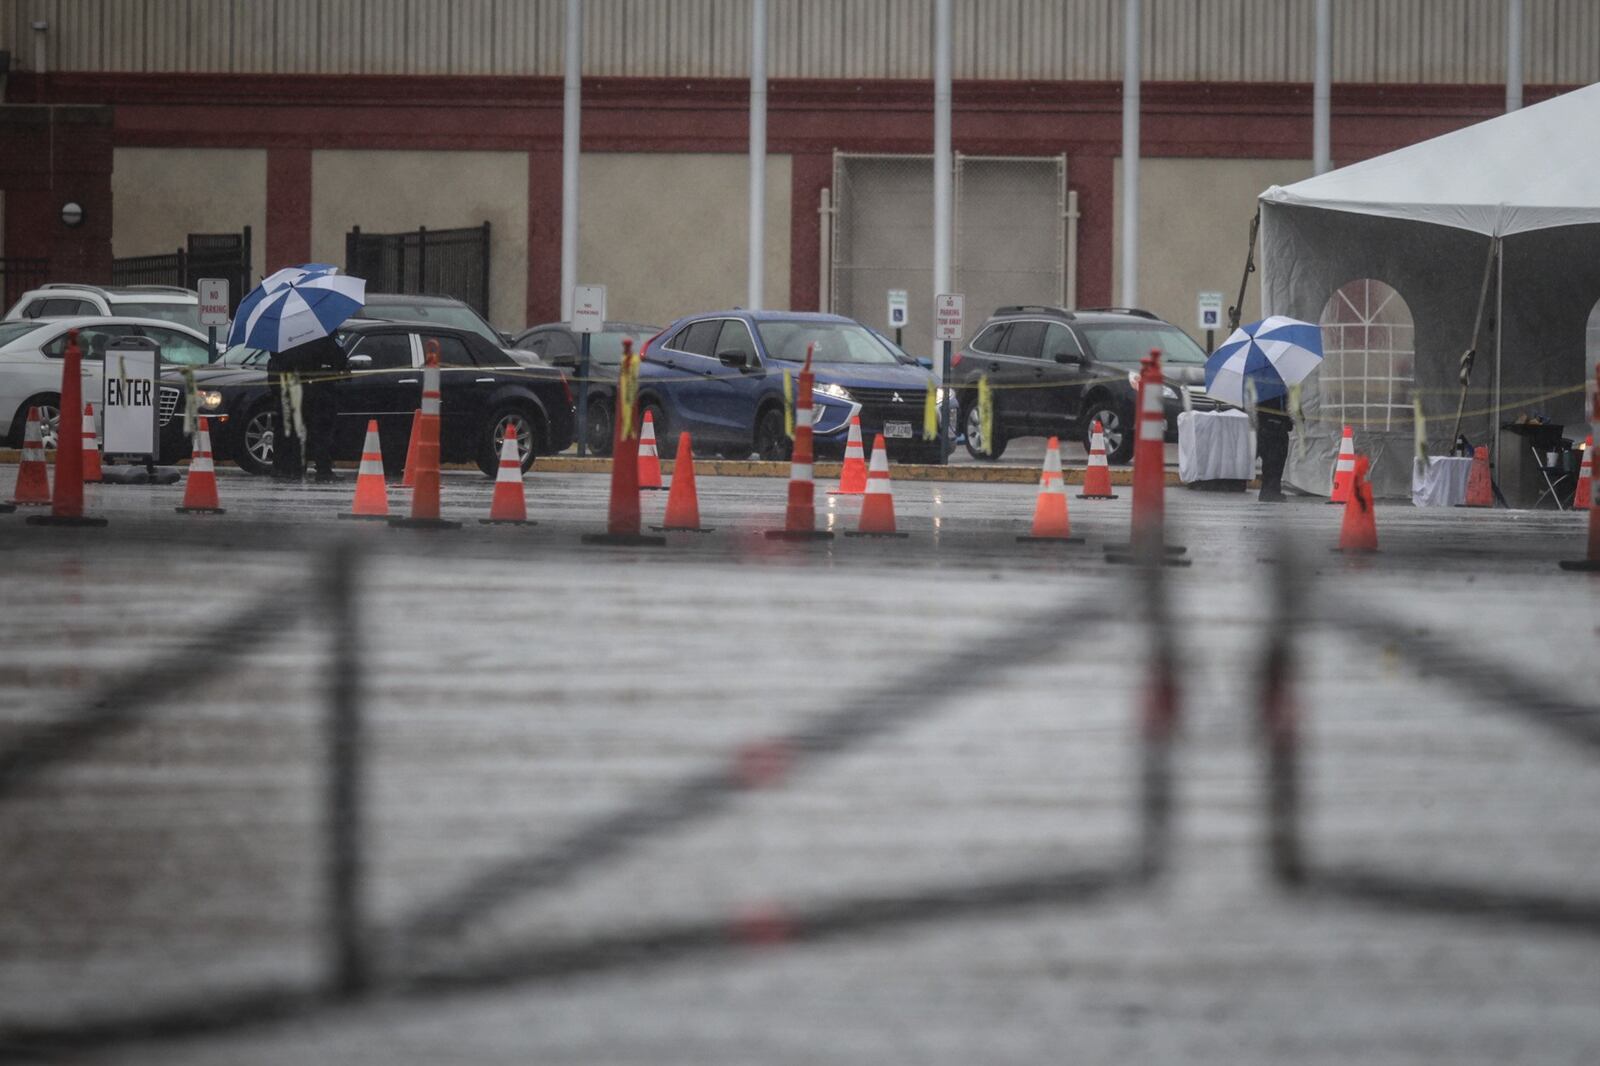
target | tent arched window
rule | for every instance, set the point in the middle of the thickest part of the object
(1368, 369)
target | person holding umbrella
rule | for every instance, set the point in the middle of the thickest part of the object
(1270, 355)
(293, 314)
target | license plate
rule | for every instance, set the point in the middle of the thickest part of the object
(897, 429)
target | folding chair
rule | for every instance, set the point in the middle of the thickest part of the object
(1559, 482)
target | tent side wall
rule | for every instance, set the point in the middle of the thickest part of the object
(1308, 254)
(1552, 283)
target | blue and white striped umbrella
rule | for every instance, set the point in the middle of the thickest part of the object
(296, 305)
(1273, 354)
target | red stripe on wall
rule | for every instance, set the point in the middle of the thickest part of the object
(288, 207)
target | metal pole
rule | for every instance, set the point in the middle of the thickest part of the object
(1069, 298)
(758, 151)
(349, 966)
(941, 147)
(1130, 155)
(572, 106)
(583, 394)
(1513, 55)
(1322, 92)
(825, 252)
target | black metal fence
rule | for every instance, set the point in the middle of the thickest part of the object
(18, 274)
(208, 255)
(442, 262)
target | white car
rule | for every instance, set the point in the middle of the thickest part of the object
(31, 360)
(170, 303)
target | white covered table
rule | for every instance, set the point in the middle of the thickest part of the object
(1214, 446)
(1442, 483)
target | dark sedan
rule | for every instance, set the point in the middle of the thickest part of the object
(558, 345)
(486, 394)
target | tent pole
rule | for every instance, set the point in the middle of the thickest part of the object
(1471, 354)
(1499, 332)
(1237, 310)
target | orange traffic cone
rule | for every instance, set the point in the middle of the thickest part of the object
(33, 476)
(372, 494)
(683, 503)
(509, 506)
(877, 510)
(1097, 476)
(408, 479)
(1587, 474)
(1345, 468)
(66, 496)
(1050, 521)
(91, 447)
(800, 517)
(425, 494)
(1147, 541)
(1480, 490)
(649, 462)
(622, 511)
(200, 490)
(1359, 532)
(853, 475)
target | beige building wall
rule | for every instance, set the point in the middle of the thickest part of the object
(1194, 227)
(161, 195)
(385, 192)
(666, 233)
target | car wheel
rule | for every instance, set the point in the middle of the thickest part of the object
(772, 443)
(255, 441)
(49, 406)
(1117, 422)
(977, 447)
(518, 420)
(600, 430)
(666, 438)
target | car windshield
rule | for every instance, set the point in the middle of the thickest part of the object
(239, 355)
(1128, 342)
(457, 315)
(835, 342)
(10, 331)
(605, 349)
(183, 314)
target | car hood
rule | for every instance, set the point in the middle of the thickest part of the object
(864, 375)
(213, 377)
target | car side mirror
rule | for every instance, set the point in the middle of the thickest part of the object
(360, 362)
(737, 360)
(1069, 357)
(566, 359)
(925, 363)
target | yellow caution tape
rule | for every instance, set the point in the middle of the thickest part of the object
(985, 410)
(788, 405)
(930, 417)
(627, 393)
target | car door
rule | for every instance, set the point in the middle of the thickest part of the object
(1006, 374)
(92, 343)
(1023, 378)
(1063, 377)
(686, 379)
(464, 388)
(383, 383)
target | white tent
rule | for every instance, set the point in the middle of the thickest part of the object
(1505, 213)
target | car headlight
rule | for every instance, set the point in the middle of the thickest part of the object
(939, 397)
(209, 399)
(1169, 392)
(838, 392)
(1133, 380)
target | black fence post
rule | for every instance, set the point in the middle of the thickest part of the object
(484, 292)
(422, 258)
(352, 244)
(349, 966)
(245, 253)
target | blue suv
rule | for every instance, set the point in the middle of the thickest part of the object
(719, 375)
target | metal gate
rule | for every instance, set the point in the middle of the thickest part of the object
(208, 255)
(18, 274)
(1010, 235)
(439, 262)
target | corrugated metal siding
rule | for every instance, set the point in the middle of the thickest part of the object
(1402, 41)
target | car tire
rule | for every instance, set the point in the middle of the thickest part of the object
(600, 429)
(529, 427)
(253, 453)
(972, 424)
(49, 405)
(1117, 421)
(666, 437)
(772, 442)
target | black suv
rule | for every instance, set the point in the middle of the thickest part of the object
(1054, 372)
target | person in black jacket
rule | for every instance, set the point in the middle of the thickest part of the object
(1272, 444)
(321, 364)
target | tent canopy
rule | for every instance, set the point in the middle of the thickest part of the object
(1532, 169)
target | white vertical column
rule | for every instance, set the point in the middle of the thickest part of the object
(1322, 93)
(571, 111)
(942, 169)
(758, 152)
(1513, 55)
(1130, 154)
